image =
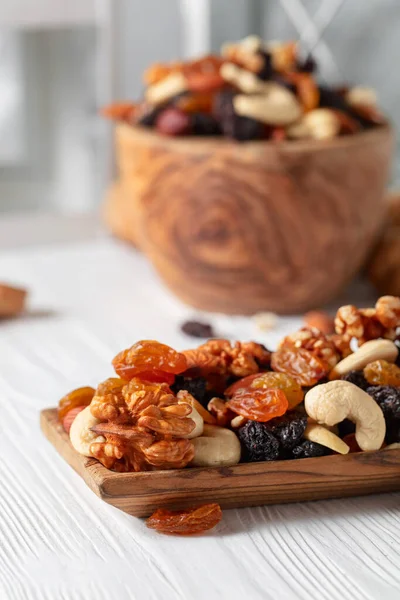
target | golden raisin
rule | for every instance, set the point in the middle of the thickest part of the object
(149, 360)
(185, 522)
(270, 380)
(79, 397)
(381, 372)
(301, 364)
(259, 404)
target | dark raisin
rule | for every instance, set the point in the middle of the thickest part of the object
(197, 329)
(258, 443)
(329, 98)
(267, 70)
(196, 386)
(388, 399)
(309, 65)
(356, 377)
(392, 432)
(310, 450)
(346, 427)
(147, 114)
(233, 125)
(203, 124)
(288, 429)
(397, 361)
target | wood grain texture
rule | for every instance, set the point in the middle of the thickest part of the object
(238, 228)
(140, 494)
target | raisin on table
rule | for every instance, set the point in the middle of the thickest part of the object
(258, 443)
(185, 522)
(197, 329)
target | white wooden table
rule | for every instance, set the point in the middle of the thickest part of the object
(90, 297)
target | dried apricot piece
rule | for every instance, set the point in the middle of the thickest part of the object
(149, 357)
(259, 404)
(185, 522)
(381, 372)
(270, 380)
(301, 364)
(79, 397)
(119, 111)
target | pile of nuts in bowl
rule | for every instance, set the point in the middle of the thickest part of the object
(223, 402)
(253, 91)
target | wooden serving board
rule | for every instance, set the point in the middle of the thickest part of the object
(253, 484)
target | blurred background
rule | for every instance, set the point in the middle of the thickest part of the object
(61, 60)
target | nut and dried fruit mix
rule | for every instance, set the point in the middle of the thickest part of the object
(223, 403)
(253, 90)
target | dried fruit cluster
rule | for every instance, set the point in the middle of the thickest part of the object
(223, 401)
(254, 90)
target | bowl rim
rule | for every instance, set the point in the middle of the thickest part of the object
(194, 143)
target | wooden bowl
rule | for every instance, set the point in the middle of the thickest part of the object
(243, 227)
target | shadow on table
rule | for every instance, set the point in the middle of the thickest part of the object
(30, 315)
(239, 521)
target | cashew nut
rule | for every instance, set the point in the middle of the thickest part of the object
(277, 106)
(217, 447)
(321, 435)
(298, 131)
(245, 80)
(250, 44)
(80, 433)
(331, 403)
(238, 422)
(322, 123)
(169, 86)
(394, 446)
(362, 95)
(368, 352)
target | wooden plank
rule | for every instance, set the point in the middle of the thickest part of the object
(253, 484)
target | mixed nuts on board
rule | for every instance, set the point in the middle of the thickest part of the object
(253, 90)
(222, 402)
